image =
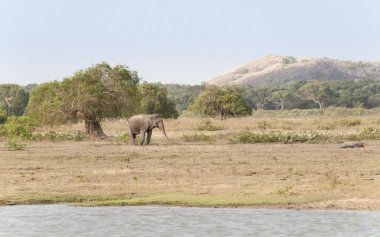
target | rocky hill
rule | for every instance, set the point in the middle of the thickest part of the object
(280, 70)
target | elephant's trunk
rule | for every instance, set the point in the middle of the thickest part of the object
(162, 128)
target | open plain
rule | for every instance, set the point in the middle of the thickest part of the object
(207, 170)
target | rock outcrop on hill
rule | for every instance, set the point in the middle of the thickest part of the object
(280, 70)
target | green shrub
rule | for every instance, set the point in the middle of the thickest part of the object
(125, 138)
(278, 137)
(206, 125)
(20, 127)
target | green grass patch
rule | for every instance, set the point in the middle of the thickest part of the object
(43, 198)
(206, 200)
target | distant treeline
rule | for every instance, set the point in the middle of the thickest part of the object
(297, 95)
(315, 94)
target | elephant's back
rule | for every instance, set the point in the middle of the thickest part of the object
(136, 122)
(136, 117)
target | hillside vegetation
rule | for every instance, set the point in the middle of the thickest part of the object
(280, 70)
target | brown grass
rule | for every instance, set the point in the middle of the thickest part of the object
(196, 173)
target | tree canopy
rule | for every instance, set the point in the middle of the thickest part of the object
(101, 91)
(220, 102)
(183, 95)
(154, 100)
(316, 91)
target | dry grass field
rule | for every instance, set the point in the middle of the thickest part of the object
(198, 172)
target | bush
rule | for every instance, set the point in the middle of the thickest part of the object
(18, 127)
(206, 125)
(278, 137)
(125, 138)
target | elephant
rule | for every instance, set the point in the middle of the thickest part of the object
(144, 123)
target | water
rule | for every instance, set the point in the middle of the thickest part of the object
(61, 220)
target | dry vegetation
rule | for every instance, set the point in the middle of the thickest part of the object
(199, 168)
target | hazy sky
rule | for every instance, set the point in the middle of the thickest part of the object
(177, 41)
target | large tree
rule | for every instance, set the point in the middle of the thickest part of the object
(221, 103)
(154, 99)
(90, 95)
(317, 91)
(279, 98)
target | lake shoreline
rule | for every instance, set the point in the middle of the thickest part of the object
(344, 205)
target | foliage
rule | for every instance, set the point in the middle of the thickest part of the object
(101, 91)
(18, 127)
(183, 95)
(280, 98)
(13, 99)
(326, 112)
(278, 137)
(125, 138)
(206, 125)
(15, 129)
(221, 103)
(257, 97)
(3, 117)
(92, 94)
(154, 100)
(46, 104)
(316, 91)
(289, 60)
(289, 137)
(312, 94)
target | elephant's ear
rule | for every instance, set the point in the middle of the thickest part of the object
(148, 120)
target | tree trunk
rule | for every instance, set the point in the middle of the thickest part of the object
(94, 129)
(320, 103)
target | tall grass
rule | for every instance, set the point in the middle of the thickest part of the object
(287, 137)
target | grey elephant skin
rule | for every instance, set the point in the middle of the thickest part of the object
(144, 124)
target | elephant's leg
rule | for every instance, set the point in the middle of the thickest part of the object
(131, 137)
(142, 138)
(149, 135)
(134, 139)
